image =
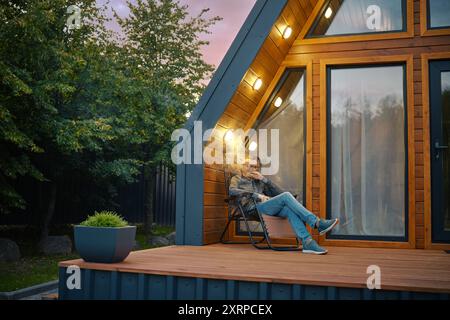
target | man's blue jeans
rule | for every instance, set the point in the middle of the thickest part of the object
(286, 206)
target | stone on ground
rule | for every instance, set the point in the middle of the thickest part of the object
(159, 241)
(9, 251)
(171, 237)
(55, 245)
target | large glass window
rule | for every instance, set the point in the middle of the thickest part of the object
(285, 111)
(438, 14)
(346, 17)
(366, 152)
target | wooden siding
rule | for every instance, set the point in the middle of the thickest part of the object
(278, 54)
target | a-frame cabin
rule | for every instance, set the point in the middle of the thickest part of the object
(369, 162)
(360, 93)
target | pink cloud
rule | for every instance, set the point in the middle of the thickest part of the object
(233, 12)
(222, 34)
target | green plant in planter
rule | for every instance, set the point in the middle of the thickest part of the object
(105, 219)
(104, 237)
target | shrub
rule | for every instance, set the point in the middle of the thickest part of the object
(106, 219)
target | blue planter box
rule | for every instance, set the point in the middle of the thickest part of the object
(104, 245)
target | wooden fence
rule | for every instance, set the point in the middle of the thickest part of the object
(77, 198)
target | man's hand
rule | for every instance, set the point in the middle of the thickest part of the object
(256, 175)
(263, 198)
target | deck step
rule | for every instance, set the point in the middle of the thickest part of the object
(50, 296)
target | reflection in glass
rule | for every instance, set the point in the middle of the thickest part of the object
(445, 87)
(344, 17)
(289, 119)
(439, 13)
(367, 151)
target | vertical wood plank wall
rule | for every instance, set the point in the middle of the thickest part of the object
(277, 53)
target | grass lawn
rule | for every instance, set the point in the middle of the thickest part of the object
(30, 271)
(157, 231)
(33, 268)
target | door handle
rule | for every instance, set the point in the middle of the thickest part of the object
(438, 148)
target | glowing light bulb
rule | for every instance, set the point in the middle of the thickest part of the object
(278, 102)
(287, 32)
(253, 146)
(328, 13)
(258, 84)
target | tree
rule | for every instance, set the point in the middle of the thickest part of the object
(164, 45)
(46, 128)
(84, 102)
(164, 49)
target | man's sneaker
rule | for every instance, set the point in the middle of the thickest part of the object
(311, 246)
(327, 225)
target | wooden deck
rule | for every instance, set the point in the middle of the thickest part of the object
(401, 270)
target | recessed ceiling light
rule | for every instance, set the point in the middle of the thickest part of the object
(328, 13)
(278, 102)
(287, 32)
(258, 84)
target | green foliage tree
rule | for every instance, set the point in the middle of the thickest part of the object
(87, 102)
(163, 46)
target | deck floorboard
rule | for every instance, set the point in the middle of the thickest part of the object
(401, 270)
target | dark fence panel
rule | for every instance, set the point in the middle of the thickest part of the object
(164, 197)
(78, 197)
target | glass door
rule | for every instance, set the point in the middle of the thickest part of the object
(440, 163)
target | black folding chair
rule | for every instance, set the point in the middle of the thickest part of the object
(275, 227)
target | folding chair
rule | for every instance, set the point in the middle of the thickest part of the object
(272, 227)
(237, 213)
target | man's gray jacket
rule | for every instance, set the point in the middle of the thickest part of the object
(241, 186)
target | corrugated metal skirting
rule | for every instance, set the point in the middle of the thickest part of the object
(105, 285)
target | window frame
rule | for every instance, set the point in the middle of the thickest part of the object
(408, 32)
(309, 35)
(279, 84)
(407, 60)
(329, 160)
(425, 19)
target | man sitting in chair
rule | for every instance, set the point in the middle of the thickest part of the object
(271, 200)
